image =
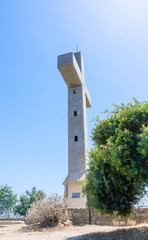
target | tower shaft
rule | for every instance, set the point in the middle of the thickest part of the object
(71, 67)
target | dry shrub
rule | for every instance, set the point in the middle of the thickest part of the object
(48, 213)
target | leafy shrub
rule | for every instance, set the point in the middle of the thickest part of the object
(117, 177)
(48, 213)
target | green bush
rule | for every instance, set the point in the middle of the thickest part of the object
(118, 174)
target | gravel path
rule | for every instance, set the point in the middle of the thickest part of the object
(87, 232)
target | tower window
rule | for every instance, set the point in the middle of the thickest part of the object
(76, 138)
(75, 113)
(74, 91)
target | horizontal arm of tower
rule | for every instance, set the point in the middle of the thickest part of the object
(88, 98)
(69, 69)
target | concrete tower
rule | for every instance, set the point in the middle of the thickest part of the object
(71, 67)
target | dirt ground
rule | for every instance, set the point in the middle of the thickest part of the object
(93, 232)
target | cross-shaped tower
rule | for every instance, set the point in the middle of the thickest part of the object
(71, 67)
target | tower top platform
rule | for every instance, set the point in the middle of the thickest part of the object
(71, 67)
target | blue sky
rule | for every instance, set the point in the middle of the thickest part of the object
(113, 38)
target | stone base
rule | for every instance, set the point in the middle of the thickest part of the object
(75, 197)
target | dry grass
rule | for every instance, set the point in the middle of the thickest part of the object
(48, 213)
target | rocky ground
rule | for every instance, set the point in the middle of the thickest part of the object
(87, 232)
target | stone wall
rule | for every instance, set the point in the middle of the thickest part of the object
(81, 217)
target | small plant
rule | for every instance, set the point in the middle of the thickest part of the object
(48, 213)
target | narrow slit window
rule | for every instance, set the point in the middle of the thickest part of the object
(76, 138)
(74, 91)
(75, 113)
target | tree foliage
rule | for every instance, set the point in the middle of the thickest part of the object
(7, 200)
(118, 173)
(26, 200)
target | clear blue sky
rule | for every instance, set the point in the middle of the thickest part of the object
(113, 38)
